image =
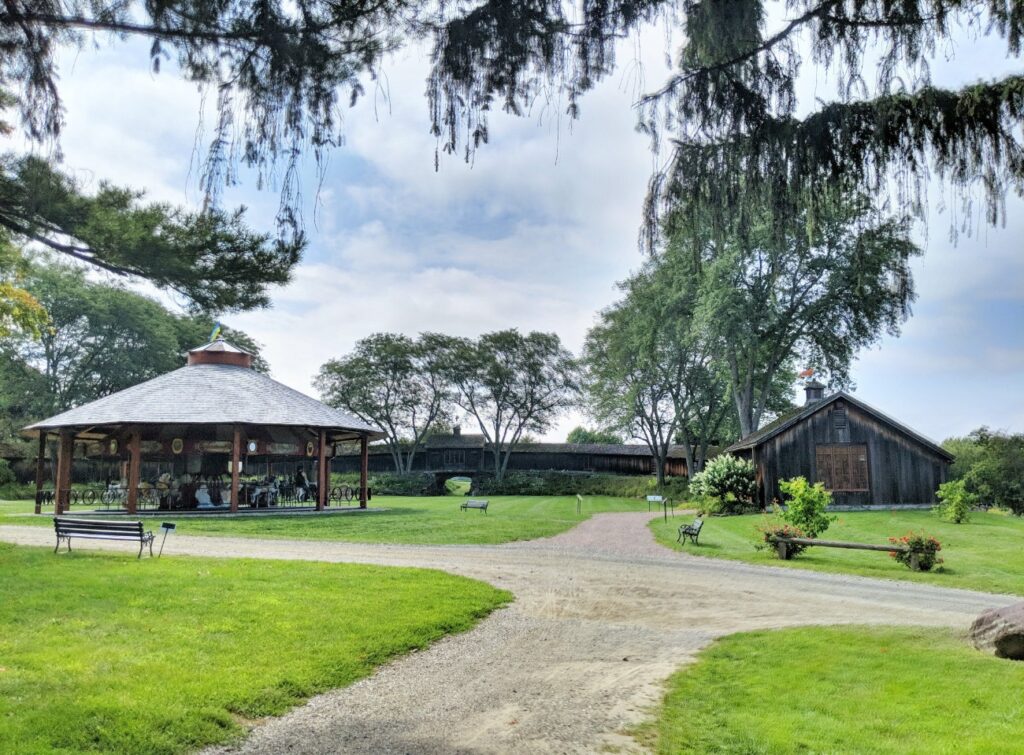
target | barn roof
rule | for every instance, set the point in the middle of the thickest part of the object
(209, 394)
(788, 419)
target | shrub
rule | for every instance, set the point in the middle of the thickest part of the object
(729, 480)
(771, 530)
(923, 547)
(806, 505)
(6, 473)
(955, 501)
(390, 483)
(584, 483)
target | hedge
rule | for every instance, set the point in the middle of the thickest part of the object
(584, 483)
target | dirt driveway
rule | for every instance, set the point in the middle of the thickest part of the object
(603, 615)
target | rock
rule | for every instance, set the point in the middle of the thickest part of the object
(1000, 631)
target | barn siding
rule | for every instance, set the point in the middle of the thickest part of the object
(900, 469)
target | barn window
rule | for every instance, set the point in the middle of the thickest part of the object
(843, 469)
(454, 458)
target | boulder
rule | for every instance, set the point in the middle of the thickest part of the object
(1000, 631)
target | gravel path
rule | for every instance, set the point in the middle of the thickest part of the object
(603, 615)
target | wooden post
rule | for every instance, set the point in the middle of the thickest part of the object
(40, 464)
(236, 460)
(134, 470)
(364, 470)
(322, 476)
(62, 495)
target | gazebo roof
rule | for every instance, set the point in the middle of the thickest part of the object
(209, 393)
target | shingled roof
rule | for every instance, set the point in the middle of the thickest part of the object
(788, 419)
(209, 394)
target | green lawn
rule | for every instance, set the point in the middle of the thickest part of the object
(842, 690)
(104, 652)
(987, 553)
(433, 520)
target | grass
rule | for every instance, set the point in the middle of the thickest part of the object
(433, 520)
(986, 553)
(849, 690)
(102, 652)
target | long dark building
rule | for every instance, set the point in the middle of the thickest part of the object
(864, 457)
(469, 454)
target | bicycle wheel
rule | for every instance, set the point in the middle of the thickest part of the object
(347, 493)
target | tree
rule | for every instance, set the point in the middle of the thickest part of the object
(20, 312)
(511, 383)
(740, 135)
(101, 339)
(395, 383)
(996, 471)
(581, 434)
(766, 299)
(211, 258)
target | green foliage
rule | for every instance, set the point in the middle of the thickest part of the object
(583, 483)
(511, 384)
(955, 501)
(211, 259)
(862, 689)
(20, 312)
(806, 505)
(922, 553)
(208, 663)
(992, 466)
(101, 339)
(741, 137)
(581, 434)
(6, 473)
(729, 480)
(392, 382)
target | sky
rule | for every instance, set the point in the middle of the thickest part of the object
(535, 233)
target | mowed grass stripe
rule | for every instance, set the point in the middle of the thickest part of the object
(102, 652)
(842, 690)
(407, 520)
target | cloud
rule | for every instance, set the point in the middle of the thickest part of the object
(534, 234)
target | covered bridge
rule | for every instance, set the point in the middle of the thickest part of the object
(864, 457)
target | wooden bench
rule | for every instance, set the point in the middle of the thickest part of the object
(96, 529)
(474, 504)
(691, 530)
(783, 550)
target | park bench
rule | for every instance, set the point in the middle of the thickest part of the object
(474, 504)
(691, 531)
(95, 529)
(783, 550)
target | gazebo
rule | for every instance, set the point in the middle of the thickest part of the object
(217, 412)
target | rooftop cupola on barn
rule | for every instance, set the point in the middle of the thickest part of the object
(814, 392)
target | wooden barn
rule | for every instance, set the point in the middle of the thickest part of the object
(863, 456)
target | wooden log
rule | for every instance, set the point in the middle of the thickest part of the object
(841, 544)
